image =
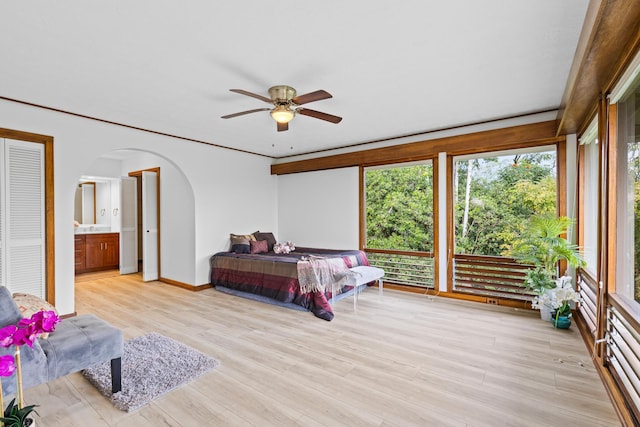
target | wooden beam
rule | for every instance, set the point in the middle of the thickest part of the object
(497, 139)
(610, 37)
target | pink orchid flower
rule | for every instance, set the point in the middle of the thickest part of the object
(24, 336)
(48, 320)
(40, 322)
(7, 335)
(7, 365)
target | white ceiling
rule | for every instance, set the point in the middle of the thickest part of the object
(393, 68)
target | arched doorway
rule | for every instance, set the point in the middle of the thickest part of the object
(176, 207)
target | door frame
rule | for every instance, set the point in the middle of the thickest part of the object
(138, 175)
(49, 223)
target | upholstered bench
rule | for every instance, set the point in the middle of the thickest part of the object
(77, 343)
(366, 274)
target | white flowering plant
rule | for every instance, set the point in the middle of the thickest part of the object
(559, 298)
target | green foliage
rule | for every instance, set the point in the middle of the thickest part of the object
(15, 416)
(527, 167)
(541, 245)
(565, 310)
(490, 214)
(503, 196)
(538, 280)
(399, 208)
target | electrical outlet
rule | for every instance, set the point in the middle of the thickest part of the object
(492, 301)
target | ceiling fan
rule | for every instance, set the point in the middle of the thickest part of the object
(286, 105)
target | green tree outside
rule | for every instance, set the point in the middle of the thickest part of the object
(499, 195)
(399, 208)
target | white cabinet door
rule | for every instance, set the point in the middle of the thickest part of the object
(22, 210)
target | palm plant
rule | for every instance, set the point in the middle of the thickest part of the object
(543, 246)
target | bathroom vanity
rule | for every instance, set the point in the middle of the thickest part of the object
(95, 251)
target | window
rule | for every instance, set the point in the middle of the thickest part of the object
(399, 207)
(628, 196)
(590, 194)
(398, 216)
(495, 194)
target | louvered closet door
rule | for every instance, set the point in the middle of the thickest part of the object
(23, 236)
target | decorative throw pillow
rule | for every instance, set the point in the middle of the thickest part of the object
(240, 243)
(240, 249)
(30, 304)
(259, 246)
(269, 237)
(244, 236)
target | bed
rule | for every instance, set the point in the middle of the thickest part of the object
(305, 278)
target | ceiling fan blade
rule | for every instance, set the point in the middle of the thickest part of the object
(311, 96)
(242, 113)
(319, 115)
(253, 95)
(282, 126)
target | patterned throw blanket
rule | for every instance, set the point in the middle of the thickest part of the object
(316, 273)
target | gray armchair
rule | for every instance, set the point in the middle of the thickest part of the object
(77, 343)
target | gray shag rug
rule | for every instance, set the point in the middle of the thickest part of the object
(152, 365)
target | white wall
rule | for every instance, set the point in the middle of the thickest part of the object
(104, 167)
(232, 191)
(103, 203)
(319, 209)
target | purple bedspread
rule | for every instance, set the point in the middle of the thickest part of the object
(276, 275)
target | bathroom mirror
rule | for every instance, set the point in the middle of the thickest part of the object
(85, 203)
(93, 202)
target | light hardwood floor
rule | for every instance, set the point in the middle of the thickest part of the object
(403, 360)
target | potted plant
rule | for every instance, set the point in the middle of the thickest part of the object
(559, 299)
(542, 246)
(16, 414)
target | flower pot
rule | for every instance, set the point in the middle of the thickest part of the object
(545, 313)
(560, 322)
(543, 303)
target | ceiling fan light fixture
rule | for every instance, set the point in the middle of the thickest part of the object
(282, 114)
(285, 105)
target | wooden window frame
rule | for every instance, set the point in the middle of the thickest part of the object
(561, 191)
(362, 217)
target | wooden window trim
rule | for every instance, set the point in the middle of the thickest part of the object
(523, 136)
(561, 190)
(362, 222)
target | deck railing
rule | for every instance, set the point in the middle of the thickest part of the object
(490, 276)
(623, 352)
(404, 268)
(587, 288)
